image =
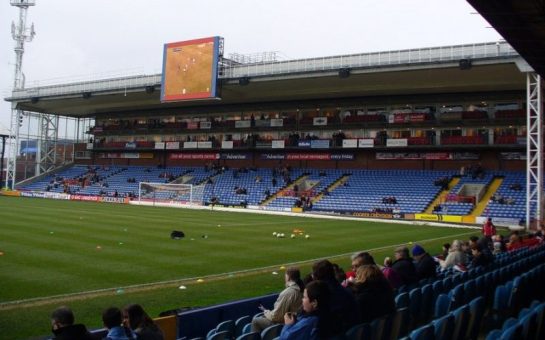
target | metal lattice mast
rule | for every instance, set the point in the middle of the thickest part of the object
(534, 160)
(47, 145)
(21, 34)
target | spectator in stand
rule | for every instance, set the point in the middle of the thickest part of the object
(343, 306)
(489, 229)
(403, 265)
(515, 241)
(426, 267)
(112, 319)
(391, 275)
(499, 244)
(135, 318)
(63, 327)
(374, 295)
(484, 245)
(478, 257)
(289, 301)
(358, 259)
(445, 250)
(455, 256)
(316, 319)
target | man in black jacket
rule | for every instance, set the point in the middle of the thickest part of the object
(62, 325)
(404, 266)
(424, 263)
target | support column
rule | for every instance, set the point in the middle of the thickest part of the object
(534, 150)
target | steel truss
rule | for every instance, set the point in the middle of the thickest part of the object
(534, 150)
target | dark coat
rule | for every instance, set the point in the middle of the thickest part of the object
(374, 299)
(149, 333)
(343, 307)
(72, 332)
(426, 267)
(406, 270)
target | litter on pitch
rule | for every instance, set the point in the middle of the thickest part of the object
(99, 247)
(200, 280)
(274, 273)
(282, 267)
(182, 287)
(1, 253)
(120, 291)
(120, 243)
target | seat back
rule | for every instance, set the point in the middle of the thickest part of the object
(240, 323)
(444, 327)
(402, 300)
(219, 336)
(400, 323)
(271, 332)
(357, 332)
(226, 326)
(476, 313)
(461, 319)
(249, 336)
(423, 333)
(427, 302)
(442, 305)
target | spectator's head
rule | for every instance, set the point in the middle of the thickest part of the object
(418, 251)
(401, 253)
(323, 270)
(134, 317)
(456, 245)
(514, 238)
(293, 274)
(476, 251)
(316, 296)
(489, 219)
(340, 275)
(363, 258)
(446, 247)
(112, 317)
(387, 262)
(369, 274)
(62, 317)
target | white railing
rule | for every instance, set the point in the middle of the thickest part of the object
(364, 60)
(376, 59)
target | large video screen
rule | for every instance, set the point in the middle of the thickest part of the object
(190, 70)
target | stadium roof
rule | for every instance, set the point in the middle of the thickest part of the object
(476, 68)
(521, 23)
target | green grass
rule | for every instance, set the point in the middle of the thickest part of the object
(50, 249)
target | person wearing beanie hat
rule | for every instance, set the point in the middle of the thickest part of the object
(418, 250)
(424, 263)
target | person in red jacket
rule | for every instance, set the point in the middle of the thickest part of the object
(489, 229)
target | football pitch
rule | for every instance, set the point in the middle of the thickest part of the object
(90, 256)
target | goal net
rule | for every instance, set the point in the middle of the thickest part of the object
(170, 193)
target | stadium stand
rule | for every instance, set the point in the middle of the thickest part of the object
(461, 305)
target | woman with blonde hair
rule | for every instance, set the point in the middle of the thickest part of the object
(455, 256)
(373, 293)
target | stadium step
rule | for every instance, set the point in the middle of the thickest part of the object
(492, 188)
(442, 195)
(343, 179)
(281, 193)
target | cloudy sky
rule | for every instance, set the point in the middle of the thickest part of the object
(77, 39)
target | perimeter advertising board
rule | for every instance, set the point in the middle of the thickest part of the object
(190, 70)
